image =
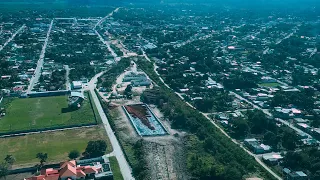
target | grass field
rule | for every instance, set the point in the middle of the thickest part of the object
(43, 112)
(115, 168)
(56, 144)
(270, 84)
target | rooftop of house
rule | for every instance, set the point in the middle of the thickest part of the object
(255, 178)
(297, 174)
(272, 156)
(77, 94)
(71, 169)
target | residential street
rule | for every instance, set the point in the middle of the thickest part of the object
(12, 37)
(68, 85)
(37, 72)
(107, 43)
(266, 111)
(109, 15)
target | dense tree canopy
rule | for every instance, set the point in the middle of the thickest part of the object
(307, 160)
(95, 149)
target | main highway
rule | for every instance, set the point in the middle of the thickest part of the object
(125, 168)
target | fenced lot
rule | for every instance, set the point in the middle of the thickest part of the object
(43, 112)
(57, 144)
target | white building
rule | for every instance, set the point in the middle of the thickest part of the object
(76, 85)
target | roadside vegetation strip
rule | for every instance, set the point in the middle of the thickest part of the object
(115, 168)
(94, 108)
(207, 142)
(56, 144)
(127, 148)
(132, 151)
(43, 113)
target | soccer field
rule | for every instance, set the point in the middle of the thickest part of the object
(43, 112)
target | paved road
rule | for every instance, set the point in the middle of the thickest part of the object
(65, 18)
(37, 74)
(115, 56)
(124, 166)
(68, 85)
(12, 37)
(103, 19)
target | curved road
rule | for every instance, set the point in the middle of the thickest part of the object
(125, 168)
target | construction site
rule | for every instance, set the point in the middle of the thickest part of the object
(143, 120)
(162, 147)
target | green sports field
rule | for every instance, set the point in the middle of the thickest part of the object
(56, 144)
(270, 84)
(43, 112)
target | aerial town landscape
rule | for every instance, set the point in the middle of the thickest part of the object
(159, 90)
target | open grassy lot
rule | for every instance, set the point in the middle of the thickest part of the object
(270, 84)
(56, 144)
(43, 112)
(115, 168)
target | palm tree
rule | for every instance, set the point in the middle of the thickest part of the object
(4, 170)
(42, 157)
(10, 159)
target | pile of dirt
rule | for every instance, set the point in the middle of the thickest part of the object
(164, 155)
(166, 158)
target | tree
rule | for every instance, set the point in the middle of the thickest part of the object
(74, 154)
(316, 175)
(10, 159)
(240, 128)
(95, 149)
(271, 139)
(127, 91)
(232, 173)
(259, 122)
(4, 170)
(289, 140)
(42, 157)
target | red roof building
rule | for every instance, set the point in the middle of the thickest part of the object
(68, 170)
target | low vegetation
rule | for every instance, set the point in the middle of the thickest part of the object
(115, 168)
(107, 80)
